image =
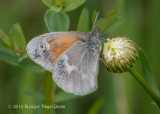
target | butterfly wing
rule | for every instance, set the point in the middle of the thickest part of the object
(76, 70)
(46, 49)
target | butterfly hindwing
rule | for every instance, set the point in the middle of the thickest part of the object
(76, 70)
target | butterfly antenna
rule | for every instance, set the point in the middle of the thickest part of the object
(99, 21)
(95, 20)
(103, 39)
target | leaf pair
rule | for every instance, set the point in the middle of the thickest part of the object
(63, 5)
(16, 41)
(12, 49)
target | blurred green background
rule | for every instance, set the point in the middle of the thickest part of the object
(117, 93)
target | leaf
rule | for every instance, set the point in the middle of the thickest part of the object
(56, 21)
(70, 5)
(83, 24)
(4, 39)
(94, 14)
(155, 105)
(18, 39)
(48, 3)
(110, 23)
(9, 56)
(96, 107)
(13, 58)
(30, 65)
(62, 96)
(148, 73)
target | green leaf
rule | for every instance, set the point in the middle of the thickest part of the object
(4, 39)
(155, 105)
(96, 107)
(9, 56)
(94, 14)
(13, 58)
(30, 65)
(83, 24)
(56, 21)
(72, 4)
(18, 38)
(63, 96)
(110, 23)
(148, 73)
(48, 3)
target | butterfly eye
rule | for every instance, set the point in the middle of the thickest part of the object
(41, 46)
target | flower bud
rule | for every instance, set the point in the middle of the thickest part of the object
(119, 54)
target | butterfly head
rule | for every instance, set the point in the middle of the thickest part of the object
(96, 33)
(94, 43)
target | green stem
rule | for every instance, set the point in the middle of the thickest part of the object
(145, 85)
(48, 91)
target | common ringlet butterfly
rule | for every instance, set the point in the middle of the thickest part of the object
(72, 57)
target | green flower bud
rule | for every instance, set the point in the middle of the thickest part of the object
(119, 54)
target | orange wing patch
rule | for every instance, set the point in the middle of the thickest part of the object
(59, 45)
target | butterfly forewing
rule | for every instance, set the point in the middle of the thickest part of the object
(46, 49)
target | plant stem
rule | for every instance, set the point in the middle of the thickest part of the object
(48, 90)
(145, 85)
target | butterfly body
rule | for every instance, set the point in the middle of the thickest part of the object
(72, 57)
(94, 43)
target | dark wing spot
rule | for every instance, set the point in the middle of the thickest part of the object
(44, 51)
(36, 55)
(41, 46)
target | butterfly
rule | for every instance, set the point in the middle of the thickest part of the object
(72, 57)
